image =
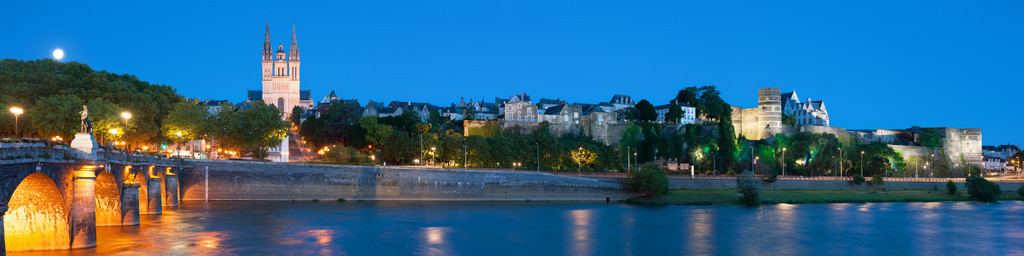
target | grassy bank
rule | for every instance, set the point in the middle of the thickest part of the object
(730, 196)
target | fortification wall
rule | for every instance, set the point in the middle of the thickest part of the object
(241, 180)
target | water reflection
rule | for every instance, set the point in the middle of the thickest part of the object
(435, 241)
(305, 228)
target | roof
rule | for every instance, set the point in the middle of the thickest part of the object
(666, 106)
(386, 111)
(789, 95)
(255, 95)
(211, 103)
(304, 94)
(554, 110)
(548, 101)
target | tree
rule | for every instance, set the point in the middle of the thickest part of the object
(630, 114)
(106, 116)
(251, 130)
(25, 82)
(583, 157)
(650, 180)
(376, 132)
(929, 138)
(983, 190)
(57, 115)
(675, 113)
(296, 116)
(788, 120)
(646, 111)
(188, 118)
(337, 123)
(749, 188)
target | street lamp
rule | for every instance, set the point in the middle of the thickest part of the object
(579, 169)
(126, 116)
(113, 134)
(627, 159)
(783, 161)
(862, 163)
(178, 151)
(17, 112)
(538, 156)
(465, 157)
(433, 151)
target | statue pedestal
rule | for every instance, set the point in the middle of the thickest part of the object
(85, 146)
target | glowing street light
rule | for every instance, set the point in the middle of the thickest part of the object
(17, 112)
(862, 163)
(126, 116)
(783, 161)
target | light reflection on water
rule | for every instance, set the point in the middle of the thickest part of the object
(532, 228)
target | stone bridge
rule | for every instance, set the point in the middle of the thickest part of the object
(56, 204)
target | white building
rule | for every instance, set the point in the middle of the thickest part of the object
(689, 113)
(805, 113)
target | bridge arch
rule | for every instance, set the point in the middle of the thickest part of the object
(37, 217)
(142, 178)
(108, 200)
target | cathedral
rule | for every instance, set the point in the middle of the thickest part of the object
(281, 79)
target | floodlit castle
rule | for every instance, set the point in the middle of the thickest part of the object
(281, 77)
(805, 113)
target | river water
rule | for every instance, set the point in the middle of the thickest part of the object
(540, 228)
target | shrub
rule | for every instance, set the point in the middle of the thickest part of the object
(749, 188)
(877, 180)
(341, 200)
(950, 188)
(650, 180)
(982, 190)
(857, 179)
(1020, 191)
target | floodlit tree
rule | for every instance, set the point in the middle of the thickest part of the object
(583, 157)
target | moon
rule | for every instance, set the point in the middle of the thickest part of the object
(58, 54)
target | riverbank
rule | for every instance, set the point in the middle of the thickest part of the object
(796, 196)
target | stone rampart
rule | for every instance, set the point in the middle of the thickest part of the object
(242, 180)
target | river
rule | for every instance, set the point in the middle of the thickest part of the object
(542, 228)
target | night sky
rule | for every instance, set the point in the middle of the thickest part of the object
(876, 64)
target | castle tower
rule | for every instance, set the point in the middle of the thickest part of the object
(769, 120)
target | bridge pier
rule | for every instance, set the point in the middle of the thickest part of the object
(155, 206)
(3, 243)
(171, 190)
(130, 204)
(83, 209)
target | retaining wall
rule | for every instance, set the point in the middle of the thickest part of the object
(242, 180)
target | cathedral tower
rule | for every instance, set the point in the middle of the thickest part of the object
(281, 74)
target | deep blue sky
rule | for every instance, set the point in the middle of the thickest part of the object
(887, 64)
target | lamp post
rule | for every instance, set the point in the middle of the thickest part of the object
(126, 116)
(538, 156)
(862, 163)
(783, 161)
(113, 134)
(433, 152)
(178, 150)
(714, 164)
(465, 156)
(17, 112)
(840, 161)
(752, 160)
(627, 159)
(579, 169)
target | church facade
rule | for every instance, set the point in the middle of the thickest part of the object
(281, 78)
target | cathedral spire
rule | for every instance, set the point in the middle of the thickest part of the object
(293, 53)
(267, 48)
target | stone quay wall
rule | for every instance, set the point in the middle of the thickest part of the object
(246, 180)
(827, 185)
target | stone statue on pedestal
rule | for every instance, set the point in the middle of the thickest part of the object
(83, 143)
(86, 124)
